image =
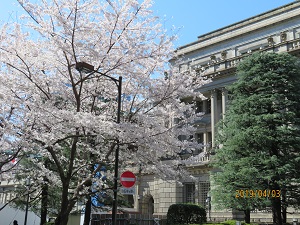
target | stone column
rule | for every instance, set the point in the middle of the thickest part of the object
(224, 101)
(138, 191)
(137, 196)
(213, 114)
(196, 194)
(205, 141)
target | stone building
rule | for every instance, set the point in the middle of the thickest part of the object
(215, 55)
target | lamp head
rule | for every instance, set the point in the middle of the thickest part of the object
(84, 67)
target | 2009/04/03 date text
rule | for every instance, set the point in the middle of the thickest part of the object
(258, 193)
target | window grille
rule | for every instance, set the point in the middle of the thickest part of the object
(204, 188)
(189, 193)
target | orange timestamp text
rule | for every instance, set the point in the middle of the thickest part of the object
(258, 193)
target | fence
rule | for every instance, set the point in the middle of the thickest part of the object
(128, 219)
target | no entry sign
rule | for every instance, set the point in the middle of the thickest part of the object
(127, 179)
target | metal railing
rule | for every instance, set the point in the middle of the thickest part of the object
(128, 219)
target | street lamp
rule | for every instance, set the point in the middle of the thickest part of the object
(27, 184)
(87, 68)
(208, 201)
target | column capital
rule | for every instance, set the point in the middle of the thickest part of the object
(224, 89)
(213, 93)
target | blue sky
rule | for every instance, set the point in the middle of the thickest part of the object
(198, 17)
(193, 17)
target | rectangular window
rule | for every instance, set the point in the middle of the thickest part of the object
(209, 139)
(204, 188)
(200, 140)
(189, 192)
(129, 200)
(208, 105)
(199, 106)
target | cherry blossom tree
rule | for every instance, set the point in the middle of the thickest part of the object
(68, 117)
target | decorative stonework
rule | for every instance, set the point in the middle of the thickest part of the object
(270, 41)
(223, 55)
(213, 58)
(283, 36)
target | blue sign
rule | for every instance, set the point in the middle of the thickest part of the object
(98, 197)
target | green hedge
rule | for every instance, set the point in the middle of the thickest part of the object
(186, 214)
(229, 222)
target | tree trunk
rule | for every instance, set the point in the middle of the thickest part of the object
(44, 203)
(88, 210)
(283, 205)
(63, 215)
(283, 214)
(247, 215)
(66, 203)
(276, 211)
(62, 218)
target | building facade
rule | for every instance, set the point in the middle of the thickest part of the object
(215, 55)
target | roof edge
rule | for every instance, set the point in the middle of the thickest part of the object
(243, 23)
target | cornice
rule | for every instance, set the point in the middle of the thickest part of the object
(249, 25)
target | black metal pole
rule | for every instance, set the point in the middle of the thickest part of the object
(209, 209)
(44, 202)
(85, 67)
(115, 206)
(27, 202)
(26, 210)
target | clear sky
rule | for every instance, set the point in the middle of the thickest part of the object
(198, 17)
(194, 17)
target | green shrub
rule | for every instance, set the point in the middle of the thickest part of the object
(229, 222)
(210, 224)
(186, 214)
(233, 222)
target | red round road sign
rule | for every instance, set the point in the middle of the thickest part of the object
(127, 179)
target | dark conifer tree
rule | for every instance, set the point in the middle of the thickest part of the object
(260, 136)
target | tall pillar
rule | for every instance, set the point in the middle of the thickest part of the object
(213, 102)
(138, 191)
(137, 197)
(224, 101)
(205, 141)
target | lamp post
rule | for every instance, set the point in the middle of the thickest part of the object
(87, 68)
(27, 184)
(208, 200)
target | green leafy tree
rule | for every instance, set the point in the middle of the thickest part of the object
(260, 136)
